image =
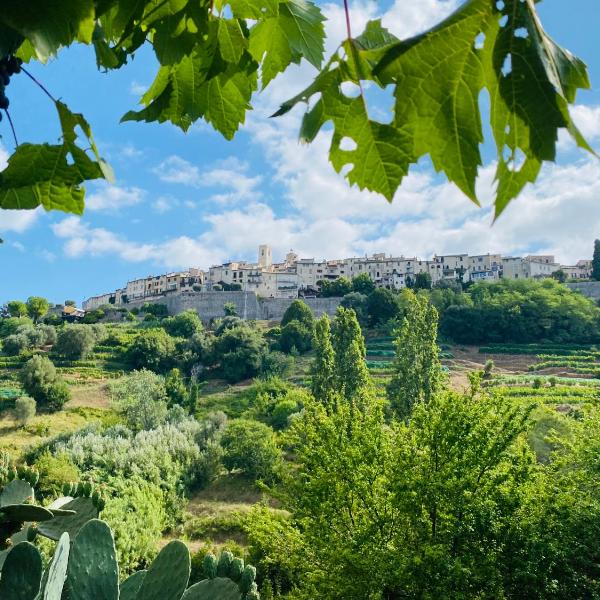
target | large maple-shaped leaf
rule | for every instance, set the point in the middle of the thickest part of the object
(51, 175)
(378, 154)
(439, 77)
(295, 32)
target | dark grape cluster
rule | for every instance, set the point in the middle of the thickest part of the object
(9, 66)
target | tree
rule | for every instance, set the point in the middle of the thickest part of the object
(417, 372)
(16, 308)
(238, 353)
(298, 311)
(596, 261)
(175, 388)
(560, 276)
(296, 334)
(267, 44)
(141, 399)
(359, 304)
(70, 303)
(152, 350)
(75, 341)
(382, 305)
(335, 288)
(13, 345)
(363, 284)
(351, 375)
(41, 381)
(24, 410)
(322, 383)
(251, 447)
(37, 307)
(185, 324)
(422, 281)
(230, 309)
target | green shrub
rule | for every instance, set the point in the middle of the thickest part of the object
(24, 410)
(238, 353)
(15, 344)
(152, 350)
(276, 364)
(250, 447)
(75, 341)
(296, 334)
(184, 325)
(40, 380)
(55, 471)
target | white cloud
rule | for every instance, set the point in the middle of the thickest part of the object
(18, 246)
(18, 220)
(137, 89)
(162, 205)
(587, 118)
(228, 175)
(113, 198)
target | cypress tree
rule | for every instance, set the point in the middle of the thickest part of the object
(596, 261)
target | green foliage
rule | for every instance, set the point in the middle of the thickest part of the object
(596, 261)
(155, 309)
(422, 281)
(276, 364)
(446, 66)
(56, 471)
(185, 324)
(350, 374)
(335, 288)
(152, 349)
(238, 353)
(363, 284)
(323, 366)
(141, 399)
(522, 311)
(11, 325)
(15, 344)
(75, 342)
(24, 410)
(230, 309)
(16, 308)
(251, 447)
(383, 305)
(298, 311)
(41, 381)
(295, 334)
(37, 307)
(417, 372)
(358, 302)
(175, 388)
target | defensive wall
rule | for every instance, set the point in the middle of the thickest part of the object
(210, 305)
(590, 289)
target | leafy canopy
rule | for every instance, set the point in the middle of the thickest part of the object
(212, 54)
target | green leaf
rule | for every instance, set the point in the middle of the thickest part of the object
(232, 41)
(57, 571)
(51, 175)
(84, 511)
(250, 9)
(296, 32)
(50, 24)
(440, 75)
(130, 587)
(187, 92)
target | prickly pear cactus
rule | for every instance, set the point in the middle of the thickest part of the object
(228, 579)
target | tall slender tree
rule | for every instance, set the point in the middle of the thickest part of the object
(351, 376)
(322, 369)
(596, 261)
(417, 370)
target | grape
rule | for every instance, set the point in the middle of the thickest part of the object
(9, 65)
(4, 102)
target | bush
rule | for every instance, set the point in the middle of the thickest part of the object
(152, 350)
(296, 335)
(176, 391)
(24, 410)
(158, 310)
(276, 364)
(359, 304)
(185, 324)
(251, 447)
(40, 380)
(55, 470)
(298, 311)
(11, 325)
(49, 333)
(383, 305)
(226, 323)
(239, 353)
(282, 412)
(141, 399)
(14, 344)
(75, 342)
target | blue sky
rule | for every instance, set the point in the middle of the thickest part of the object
(195, 199)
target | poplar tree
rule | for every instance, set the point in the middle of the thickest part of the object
(351, 376)
(322, 368)
(417, 370)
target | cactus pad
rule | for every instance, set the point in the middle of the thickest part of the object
(23, 573)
